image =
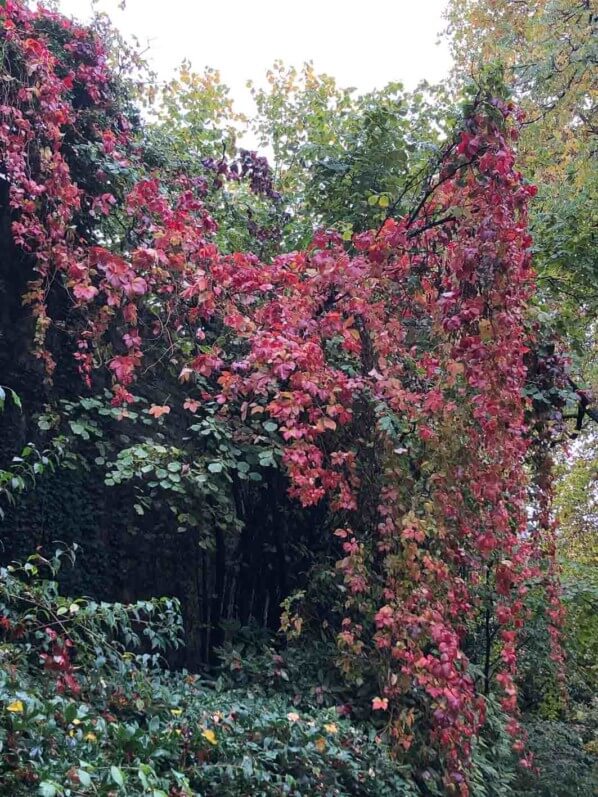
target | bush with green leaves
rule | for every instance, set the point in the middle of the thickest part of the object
(86, 708)
(565, 757)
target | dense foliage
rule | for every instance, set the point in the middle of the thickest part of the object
(117, 722)
(318, 385)
(548, 50)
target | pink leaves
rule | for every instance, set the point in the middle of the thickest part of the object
(379, 704)
(207, 364)
(134, 286)
(132, 339)
(157, 411)
(385, 617)
(123, 367)
(196, 288)
(468, 145)
(118, 274)
(84, 292)
(35, 48)
(108, 141)
(104, 203)
(390, 375)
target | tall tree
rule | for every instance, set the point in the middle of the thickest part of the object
(549, 51)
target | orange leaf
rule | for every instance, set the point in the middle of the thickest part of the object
(157, 411)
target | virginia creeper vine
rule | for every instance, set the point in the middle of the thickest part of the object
(418, 326)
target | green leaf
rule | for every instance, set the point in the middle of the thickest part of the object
(117, 776)
(266, 458)
(215, 467)
(16, 399)
(154, 724)
(84, 777)
(143, 777)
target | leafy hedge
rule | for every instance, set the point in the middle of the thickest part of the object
(81, 713)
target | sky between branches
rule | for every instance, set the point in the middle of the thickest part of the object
(362, 44)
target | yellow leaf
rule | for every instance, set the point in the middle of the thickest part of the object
(91, 737)
(16, 707)
(176, 712)
(210, 736)
(485, 329)
(330, 727)
(320, 744)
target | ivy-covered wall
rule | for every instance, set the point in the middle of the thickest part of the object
(224, 579)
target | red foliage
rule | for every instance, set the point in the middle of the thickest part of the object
(422, 322)
(59, 660)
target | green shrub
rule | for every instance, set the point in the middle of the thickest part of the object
(82, 713)
(566, 765)
(87, 707)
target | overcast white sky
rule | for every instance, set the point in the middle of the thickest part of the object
(364, 43)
